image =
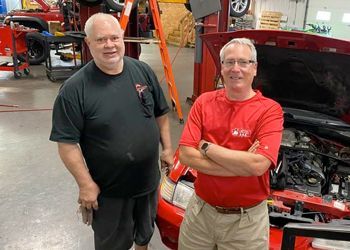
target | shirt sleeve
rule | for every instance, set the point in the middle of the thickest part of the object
(160, 104)
(269, 133)
(67, 121)
(192, 132)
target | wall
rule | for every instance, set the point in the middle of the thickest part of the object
(13, 4)
(337, 8)
(171, 16)
(296, 9)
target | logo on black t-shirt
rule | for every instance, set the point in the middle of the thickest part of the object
(140, 88)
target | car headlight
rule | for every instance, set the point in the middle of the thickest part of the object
(178, 194)
(182, 195)
(330, 244)
(167, 189)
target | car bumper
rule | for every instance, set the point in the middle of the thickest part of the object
(169, 218)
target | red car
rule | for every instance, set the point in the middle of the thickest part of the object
(309, 76)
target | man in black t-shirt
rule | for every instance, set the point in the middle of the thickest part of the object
(108, 120)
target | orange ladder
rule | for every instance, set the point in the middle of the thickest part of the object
(168, 71)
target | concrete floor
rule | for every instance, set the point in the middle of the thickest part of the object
(38, 208)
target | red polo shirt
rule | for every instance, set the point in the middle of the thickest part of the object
(234, 125)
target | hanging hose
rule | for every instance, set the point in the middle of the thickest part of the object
(22, 110)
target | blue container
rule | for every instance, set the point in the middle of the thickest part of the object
(3, 9)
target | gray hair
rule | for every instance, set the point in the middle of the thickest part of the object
(241, 41)
(89, 23)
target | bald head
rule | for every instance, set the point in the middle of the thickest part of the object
(104, 38)
(96, 18)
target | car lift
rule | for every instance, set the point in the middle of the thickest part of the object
(163, 50)
(204, 71)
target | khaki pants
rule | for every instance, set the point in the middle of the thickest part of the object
(204, 228)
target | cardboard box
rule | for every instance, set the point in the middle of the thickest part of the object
(54, 26)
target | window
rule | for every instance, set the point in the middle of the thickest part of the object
(346, 18)
(323, 16)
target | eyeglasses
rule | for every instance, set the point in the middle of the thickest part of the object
(104, 40)
(241, 63)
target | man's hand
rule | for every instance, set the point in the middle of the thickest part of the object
(88, 195)
(254, 146)
(166, 160)
(86, 214)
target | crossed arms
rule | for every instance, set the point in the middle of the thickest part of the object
(220, 161)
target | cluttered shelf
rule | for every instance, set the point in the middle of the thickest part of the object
(67, 47)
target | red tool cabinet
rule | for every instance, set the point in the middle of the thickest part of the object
(13, 44)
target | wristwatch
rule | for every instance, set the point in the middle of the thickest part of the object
(205, 147)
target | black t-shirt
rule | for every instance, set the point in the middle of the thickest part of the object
(112, 117)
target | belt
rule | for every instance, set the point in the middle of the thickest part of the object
(233, 210)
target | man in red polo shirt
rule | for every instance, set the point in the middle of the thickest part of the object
(232, 137)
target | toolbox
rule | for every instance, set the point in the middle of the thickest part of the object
(13, 45)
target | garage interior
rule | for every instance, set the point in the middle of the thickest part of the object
(38, 208)
(39, 196)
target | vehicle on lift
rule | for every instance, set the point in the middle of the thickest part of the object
(118, 5)
(63, 12)
(238, 8)
(39, 19)
(308, 75)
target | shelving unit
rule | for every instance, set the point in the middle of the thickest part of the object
(270, 20)
(57, 72)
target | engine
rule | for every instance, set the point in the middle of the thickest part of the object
(311, 164)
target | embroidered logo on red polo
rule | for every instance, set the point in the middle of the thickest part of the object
(241, 132)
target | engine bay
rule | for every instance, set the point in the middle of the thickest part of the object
(312, 164)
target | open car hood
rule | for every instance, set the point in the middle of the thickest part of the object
(299, 70)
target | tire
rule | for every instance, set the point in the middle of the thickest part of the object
(90, 2)
(29, 21)
(50, 77)
(118, 5)
(239, 8)
(17, 74)
(38, 50)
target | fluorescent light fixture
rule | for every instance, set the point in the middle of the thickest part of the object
(323, 16)
(346, 18)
